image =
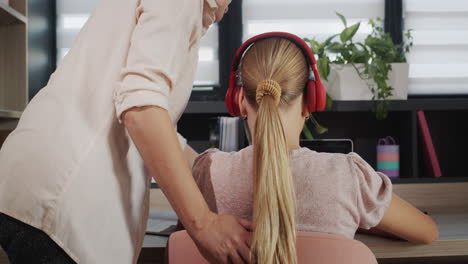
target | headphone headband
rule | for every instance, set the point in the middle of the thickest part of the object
(315, 96)
(293, 38)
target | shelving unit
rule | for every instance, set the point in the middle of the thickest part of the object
(13, 58)
(412, 104)
(447, 118)
(9, 114)
(9, 15)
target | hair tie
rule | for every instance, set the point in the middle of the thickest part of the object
(268, 87)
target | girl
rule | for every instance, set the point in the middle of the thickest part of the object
(284, 188)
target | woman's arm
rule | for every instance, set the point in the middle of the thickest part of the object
(190, 155)
(220, 238)
(403, 220)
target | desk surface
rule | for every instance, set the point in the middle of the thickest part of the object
(453, 240)
(447, 203)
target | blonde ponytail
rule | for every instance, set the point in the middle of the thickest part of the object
(274, 237)
(274, 73)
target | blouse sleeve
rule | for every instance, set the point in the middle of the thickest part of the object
(201, 174)
(374, 192)
(158, 49)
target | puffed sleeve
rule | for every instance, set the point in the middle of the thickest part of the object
(158, 50)
(373, 194)
(201, 174)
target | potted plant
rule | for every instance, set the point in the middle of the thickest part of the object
(375, 69)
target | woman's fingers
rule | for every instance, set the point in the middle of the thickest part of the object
(236, 259)
(248, 241)
(244, 248)
(244, 251)
(223, 239)
(246, 224)
(241, 251)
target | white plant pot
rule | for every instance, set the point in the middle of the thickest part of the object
(344, 83)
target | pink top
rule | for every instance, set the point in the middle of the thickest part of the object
(336, 193)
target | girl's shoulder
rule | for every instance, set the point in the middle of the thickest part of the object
(340, 165)
(352, 179)
(206, 159)
(321, 159)
(215, 154)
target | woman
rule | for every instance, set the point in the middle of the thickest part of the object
(73, 187)
(284, 188)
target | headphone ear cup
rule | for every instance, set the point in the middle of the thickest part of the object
(321, 96)
(235, 101)
(311, 96)
(230, 95)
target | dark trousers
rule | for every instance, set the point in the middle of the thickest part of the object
(25, 244)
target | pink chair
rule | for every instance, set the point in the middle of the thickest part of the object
(311, 248)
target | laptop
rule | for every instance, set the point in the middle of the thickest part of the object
(344, 146)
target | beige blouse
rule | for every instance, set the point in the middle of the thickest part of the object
(335, 193)
(69, 168)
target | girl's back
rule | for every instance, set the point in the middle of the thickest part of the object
(335, 193)
(275, 88)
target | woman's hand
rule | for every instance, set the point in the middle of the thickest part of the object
(224, 239)
(220, 238)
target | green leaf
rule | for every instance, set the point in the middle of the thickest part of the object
(335, 47)
(381, 110)
(329, 103)
(349, 32)
(381, 46)
(323, 65)
(343, 19)
(359, 56)
(314, 45)
(319, 129)
(306, 131)
(329, 39)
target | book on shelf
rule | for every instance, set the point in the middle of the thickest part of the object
(429, 154)
(230, 130)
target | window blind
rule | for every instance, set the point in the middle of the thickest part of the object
(439, 58)
(311, 19)
(72, 15)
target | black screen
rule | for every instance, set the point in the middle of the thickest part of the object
(344, 146)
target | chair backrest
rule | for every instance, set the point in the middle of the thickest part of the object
(311, 248)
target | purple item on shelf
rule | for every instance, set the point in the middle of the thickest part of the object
(391, 173)
(388, 157)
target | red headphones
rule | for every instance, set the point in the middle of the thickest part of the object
(314, 90)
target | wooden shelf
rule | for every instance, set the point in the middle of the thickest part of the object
(3, 257)
(428, 104)
(13, 58)
(206, 107)
(9, 16)
(412, 104)
(443, 179)
(10, 114)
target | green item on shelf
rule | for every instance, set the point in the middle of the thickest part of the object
(376, 54)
